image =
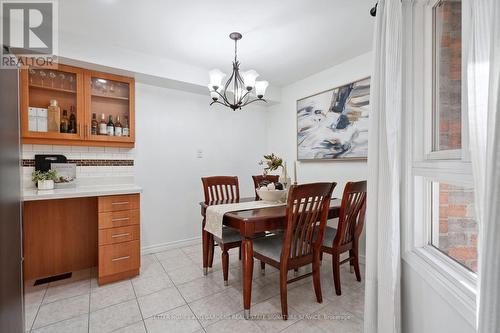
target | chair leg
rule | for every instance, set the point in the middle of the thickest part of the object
(211, 250)
(356, 265)
(295, 272)
(225, 266)
(263, 267)
(317, 279)
(283, 293)
(351, 262)
(336, 273)
(239, 253)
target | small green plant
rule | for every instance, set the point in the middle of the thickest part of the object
(272, 163)
(43, 175)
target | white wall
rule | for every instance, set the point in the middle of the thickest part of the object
(282, 127)
(172, 126)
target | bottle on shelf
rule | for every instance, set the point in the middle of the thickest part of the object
(54, 116)
(72, 121)
(103, 126)
(118, 127)
(94, 124)
(125, 129)
(64, 122)
(110, 128)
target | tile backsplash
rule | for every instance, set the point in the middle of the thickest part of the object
(95, 165)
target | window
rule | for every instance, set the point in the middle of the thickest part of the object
(447, 75)
(454, 228)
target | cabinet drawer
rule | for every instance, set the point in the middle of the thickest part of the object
(115, 203)
(118, 219)
(118, 235)
(117, 258)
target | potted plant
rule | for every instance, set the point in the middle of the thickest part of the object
(44, 179)
(272, 163)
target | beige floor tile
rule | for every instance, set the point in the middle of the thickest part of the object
(174, 253)
(304, 326)
(185, 274)
(34, 296)
(67, 290)
(134, 328)
(202, 287)
(172, 263)
(334, 319)
(303, 299)
(144, 285)
(74, 325)
(178, 320)
(111, 294)
(217, 306)
(267, 315)
(235, 324)
(159, 302)
(61, 310)
(114, 317)
(30, 312)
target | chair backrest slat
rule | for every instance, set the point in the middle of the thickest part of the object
(352, 213)
(221, 189)
(260, 178)
(307, 211)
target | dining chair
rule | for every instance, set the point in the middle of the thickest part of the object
(219, 190)
(299, 245)
(259, 179)
(345, 238)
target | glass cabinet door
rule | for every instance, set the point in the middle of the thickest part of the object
(52, 102)
(110, 114)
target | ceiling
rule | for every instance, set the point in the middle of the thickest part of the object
(283, 40)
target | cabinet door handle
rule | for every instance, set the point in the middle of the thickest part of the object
(120, 203)
(120, 235)
(120, 219)
(120, 258)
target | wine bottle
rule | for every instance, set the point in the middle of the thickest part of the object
(118, 127)
(110, 128)
(72, 121)
(125, 130)
(64, 122)
(103, 126)
(94, 125)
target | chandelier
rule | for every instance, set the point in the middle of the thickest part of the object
(241, 88)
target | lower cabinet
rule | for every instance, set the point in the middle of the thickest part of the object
(118, 237)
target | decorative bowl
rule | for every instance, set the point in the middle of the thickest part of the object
(272, 195)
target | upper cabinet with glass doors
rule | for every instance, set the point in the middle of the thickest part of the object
(65, 105)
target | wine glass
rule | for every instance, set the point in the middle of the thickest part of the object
(42, 76)
(71, 79)
(32, 74)
(61, 78)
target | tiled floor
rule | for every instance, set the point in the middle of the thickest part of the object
(171, 295)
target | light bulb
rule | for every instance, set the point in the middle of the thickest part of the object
(249, 78)
(216, 77)
(213, 94)
(260, 88)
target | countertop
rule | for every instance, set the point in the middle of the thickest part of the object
(80, 191)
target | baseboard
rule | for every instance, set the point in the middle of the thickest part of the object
(170, 245)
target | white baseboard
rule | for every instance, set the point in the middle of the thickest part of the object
(170, 245)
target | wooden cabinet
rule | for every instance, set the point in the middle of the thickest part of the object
(81, 93)
(119, 237)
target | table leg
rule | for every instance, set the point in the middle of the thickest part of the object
(247, 246)
(205, 245)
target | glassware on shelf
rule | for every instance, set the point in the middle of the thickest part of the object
(61, 79)
(42, 76)
(71, 80)
(112, 89)
(52, 76)
(32, 74)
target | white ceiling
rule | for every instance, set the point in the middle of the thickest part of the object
(284, 40)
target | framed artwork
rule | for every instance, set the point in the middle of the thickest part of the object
(333, 125)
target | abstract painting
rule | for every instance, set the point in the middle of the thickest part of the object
(333, 125)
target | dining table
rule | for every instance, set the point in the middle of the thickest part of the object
(251, 223)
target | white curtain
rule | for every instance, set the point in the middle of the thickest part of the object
(383, 257)
(483, 75)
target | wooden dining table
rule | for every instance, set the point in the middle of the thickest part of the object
(251, 223)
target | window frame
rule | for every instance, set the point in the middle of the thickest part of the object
(455, 283)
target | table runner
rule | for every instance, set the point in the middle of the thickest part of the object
(215, 213)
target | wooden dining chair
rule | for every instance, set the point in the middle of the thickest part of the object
(220, 190)
(299, 245)
(259, 179)
(345, 238)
